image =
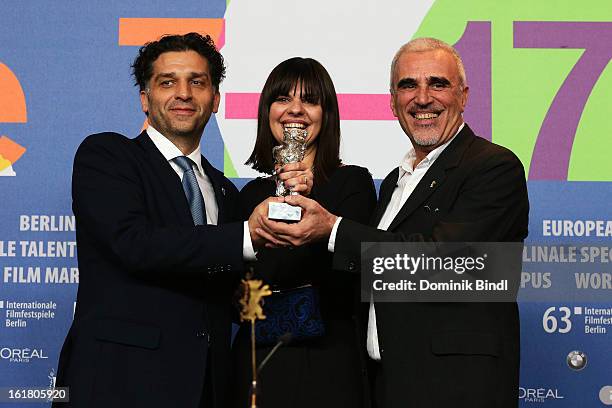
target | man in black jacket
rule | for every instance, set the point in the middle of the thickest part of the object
(159, 246)
(450, 186)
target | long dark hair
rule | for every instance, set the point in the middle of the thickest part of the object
(317, 86)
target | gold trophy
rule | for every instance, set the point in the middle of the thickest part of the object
(253, 293)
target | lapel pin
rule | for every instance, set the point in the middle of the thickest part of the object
(427, 208)
(433, 184)
(223, 190)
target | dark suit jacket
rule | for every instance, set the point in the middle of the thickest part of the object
(153, 303)
(449, 354)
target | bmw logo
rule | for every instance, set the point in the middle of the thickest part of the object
(576, 360)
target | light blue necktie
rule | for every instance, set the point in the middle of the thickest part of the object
(192, 190)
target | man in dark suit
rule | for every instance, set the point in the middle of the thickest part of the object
(450, 186)
(159, 246)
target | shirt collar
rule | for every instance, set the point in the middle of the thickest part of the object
(406, 166)
(169, 149)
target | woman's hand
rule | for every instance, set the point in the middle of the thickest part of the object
(297, 177)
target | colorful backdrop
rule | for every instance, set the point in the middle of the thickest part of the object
(540, 85)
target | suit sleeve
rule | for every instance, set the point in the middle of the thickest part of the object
(113, 218)
(358, 196)
(490, 205)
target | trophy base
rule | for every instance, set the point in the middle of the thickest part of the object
(284, 212)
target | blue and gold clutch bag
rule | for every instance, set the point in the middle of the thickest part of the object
(294, 311)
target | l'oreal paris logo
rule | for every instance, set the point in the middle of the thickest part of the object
(21, 355)
(539, 394)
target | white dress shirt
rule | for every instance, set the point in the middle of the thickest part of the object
(408, 178)
(170, 152)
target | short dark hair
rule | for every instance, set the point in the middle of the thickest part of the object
(317, 86)
(142, 68)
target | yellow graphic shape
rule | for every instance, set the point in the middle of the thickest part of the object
(4, 163)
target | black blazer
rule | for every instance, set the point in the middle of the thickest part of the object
(153, 302)
(449, 354)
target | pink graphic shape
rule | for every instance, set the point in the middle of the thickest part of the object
(352, 106)
(241, 105)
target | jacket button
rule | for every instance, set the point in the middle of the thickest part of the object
(351, 266)
(202, 335)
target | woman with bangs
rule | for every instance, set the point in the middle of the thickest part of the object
(325, 370)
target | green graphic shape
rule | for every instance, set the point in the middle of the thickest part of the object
(525, 81)
(228, 165)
